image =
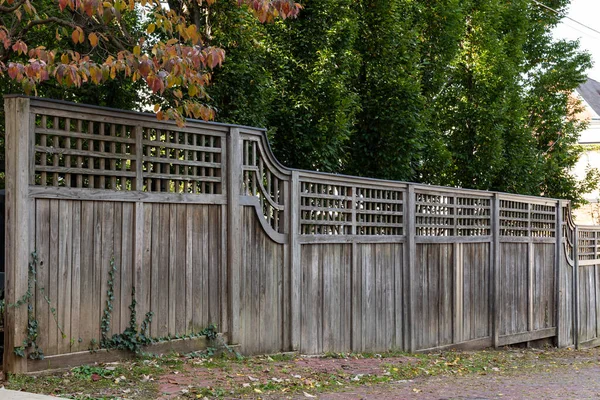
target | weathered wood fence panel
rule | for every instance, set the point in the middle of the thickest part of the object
(587, 289)
(475, 278)
(261, 289)
(208, 228)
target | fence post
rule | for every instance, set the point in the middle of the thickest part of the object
(295, 265)
(234, 231)
(576, 286)
(411, 232)
(18, 156)
(558, 274)
(496, 269)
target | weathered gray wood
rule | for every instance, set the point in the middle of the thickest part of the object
(63, 298)
(52, 290)
(504, 340)
(496, 270)
(530, 285)
(301, 260)
(295, 263)
(17, 225)
(576, 294)
(61, 361)
(123, 196)
(459, 293)
(411, 286)
(42, 244)
(234, 231)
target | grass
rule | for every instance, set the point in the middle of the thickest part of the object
(197, 376)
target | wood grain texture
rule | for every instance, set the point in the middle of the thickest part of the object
(514, 288)
(261, 289)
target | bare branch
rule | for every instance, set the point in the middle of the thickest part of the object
(8, 10)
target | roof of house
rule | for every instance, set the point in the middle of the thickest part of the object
(590, 91)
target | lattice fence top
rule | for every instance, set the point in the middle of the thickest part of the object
(519, 218)
(90, 148)
(96, 152)
(261, 180)
(452, 215)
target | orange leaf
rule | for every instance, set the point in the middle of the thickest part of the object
(93, 38)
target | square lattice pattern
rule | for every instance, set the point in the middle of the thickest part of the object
(447, 215)
(519, 218)
(83, 154)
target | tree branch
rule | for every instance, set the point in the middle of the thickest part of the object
(8, 10)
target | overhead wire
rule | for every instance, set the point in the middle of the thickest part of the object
(565, 16)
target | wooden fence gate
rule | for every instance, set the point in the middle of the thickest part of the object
(208, 227)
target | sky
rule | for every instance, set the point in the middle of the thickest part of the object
(587, 12)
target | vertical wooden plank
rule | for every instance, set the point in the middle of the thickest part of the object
(76, 279)
(179, 297)
(18, 146)
(163, 266)
(447, 289)
(172, 280)
(189, 265)
(389, 297)
(197, 266)
(107, 246)
(88, 313)
(561, 340)
(245, 287)
(530, 284)
(98, 291)
(258, 287)
(266, 292)
(369, 306)
(495, 274)
(399, 315)
(356, 294)
(122, 298)
(63, 298)
(316, 307)
(132, 242)
(379, 300)
(304, 314)
(205, 264)
(295, 263)
(43, 251)
(410, 267)
(155, 236)
(52, 291)
(213, 264)
(224, 279)
(457, 309)
(347, 299)
(286, 302)
(329, 300)
(234, 230)
(145, 270)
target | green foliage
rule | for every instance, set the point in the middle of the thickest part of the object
(462, 93)
(108, 308)
(131, 339)
(29, 347)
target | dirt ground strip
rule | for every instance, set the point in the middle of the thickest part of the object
(490, 374)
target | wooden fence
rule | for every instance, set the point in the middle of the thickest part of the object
(208, 228)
